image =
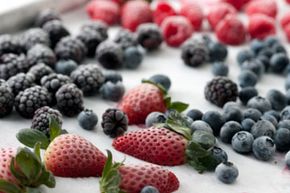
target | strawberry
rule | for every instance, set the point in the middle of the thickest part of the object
(70, 155)
(135, 13)
(117, 178)
(6, 155)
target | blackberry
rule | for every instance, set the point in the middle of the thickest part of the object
(194, 53)
(125, 38)
(55, 30)
(149, 36)
(20, 82)
(31, 99)
(98, 26)
(69, 99)
(45, 16)
(11, 64)
(35, 36)
(114, 122)
(88, 78)
(220, 90)
(70, 48)
(6, 99)
(91, 39)
(40, 70)
(110, 55)
(41, 118)
(53, 82)
(9, 44)
(41, 54)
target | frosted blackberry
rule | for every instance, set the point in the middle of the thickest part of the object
(114, 122)
(31, 99)
(41, 54)
(9, 44)
(69, 99)
(125, 38)
(20, 82)
(56, 30)
(194, 53)
(70, 48)
(41, 118)
(35, 36)
(88, 78)
(45, 16)
(11, 64)
(110, 55)
(91, 39)
(220, 90)
(40, 70)
(149, 36)
(6, 99)
(53, 82)
(98, 26)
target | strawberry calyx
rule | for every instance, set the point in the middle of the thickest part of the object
(26, 166)
(176, 105)
(111, 178)
(29, 137)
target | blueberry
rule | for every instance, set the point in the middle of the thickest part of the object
(242, 142)
(260, 103)
(264, 148)
(161, 79)
(263, 128)
(233, 114)
(227, 172)
(268, 52)
(282, 139)
(203, 138)
(265, 60)
(284, 124)
(132, 57)
(155, 117)
(245, 55)
(65, 67)
(200, 125)
(279, 62)
(247, 124)
(253, 114)
(279, 48)
(195, 114)
(270, 118)
(287, 82)
(257, 45)
(228, 130)
(112, 76)
(112, 91)
(214, 119)
(247, 78)
(217, 51)
(245, 94)
(285, 113)
(149, 189)
(275, 114)
(220, 69)
(230, 105)
(288, 94)
(255, 66)
(219, 155)
(287, 159)
(271, 41)
(88, 119)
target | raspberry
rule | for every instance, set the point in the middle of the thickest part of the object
(238, 4)
(288, 1)
(285, 20)
(287, 32)
(176, 29)
(194, 13)
(261, 26)
(135, 13)
(231, 31)
(106, 11)
(266, 7)
(218, 12)
(163, 10)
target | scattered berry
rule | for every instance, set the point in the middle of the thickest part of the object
(247, 78)
(53, 82)
(153, 118)
(261, 26)
(112, 76)
(9, 44)
(39, 71)
(263, 128)
(215, 120)
(20, 82)
(259, 103)
(132, 58)
(255, 66)
(277, 99)
(41, 54)
(162, 11)
(228, 130)
(65, 67)
(149, 36)
(242, 142)
(88, 119)
(35, 36)
(233, 114)
(282, 139)
(126, 39)
(257, 45)
(219, 154)
(200, 125)
(270, 118)
(265, 7)
(247, 124)
(112, 91)
(245, 94)
(285, 113)
(149, 189)
(238, 4)
(264, 148)
(252, 113)
(220, 69)
(279, 62)
(45, 16)
(194, 13)
(275, 114)
(217, 52)
(161, 79)
(194, 114)
(245, 55)
(227, 172)
(98, 26)
(7, 99)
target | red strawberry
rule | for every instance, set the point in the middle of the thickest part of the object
(135, 13)
(70, 155)
(194, 13)
(107, 11)
(261, 26)
(133, 178)
(6, 155)
(266, 7)
(162, 11)
(238, 4)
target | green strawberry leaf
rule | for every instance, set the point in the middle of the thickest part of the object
(55, 129)
(37, 151)
(178, 106)
(8, 187)
(184, 131)
(161, 88)
(47, 178)
(29, 137)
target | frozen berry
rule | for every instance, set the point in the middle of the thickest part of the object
(112, 76)
(285, 113)
(20, 82)
(161, 79)
(260, 103)
(247, 93)
(264, 148)
(149, 36)
(279, 62)
(65, 67)
(6, 99)
(238, 4)
(277, 99)
(219, 155)
(217, 51)
(45, 16)
(261, 26)
(39, 71)
(88, 119)
(265, 7)
(252, 113)
(126, 38)
(200, 125)
(9, 44)
(53, 82)
(247, 124)
(149, 189)
(112, 91)
(154, 118)
(220, 69)
(255, 66)
(263, 128)
(98, 26)
(193, 12)
(242, 142)
(282, 139)
(41, 54)
(227, 172)
(215, 120)
(257, 45)
(35, 36)
(245, 55)
(247, 78)
(162, 11)
(285, 21)
(133, 57)
(228, 130)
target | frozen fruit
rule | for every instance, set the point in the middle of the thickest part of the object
(279, 62)
(255, 66)
(265, 7)
(260, 103)
(261, 26)
(228, 130)
(162, 11)
(45, 16)
(220, 69)
(20, 82)
(39, 71)
(264, 148)
(245, 94)
(106, 11)
(135, 13)
(227, 172)
(149, 36)
(231, 30)
(9, 44)
(194, 114)
(215, 120)
(247, 124)
(277, 99)
(175, 30)
(149, 189)
(200, 125)
(7, 99)
(285, 21)
(154, 118)
(204, 138)
(126, 38)
(112, 91)
(245, 55)
(112, 76)
(247, 78)
(65, 67)
(282, 139)
(263, 128)
(161, 79)
(217, 52)
(41, 54)
(98, 26)
(193, 12)
(232, 114)
(132, 58)
(53, 82)
(219, 155)
(238, 4)
(242, 142)
(252, 113)
(35, 36)
(88, 119)
(56, 30)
